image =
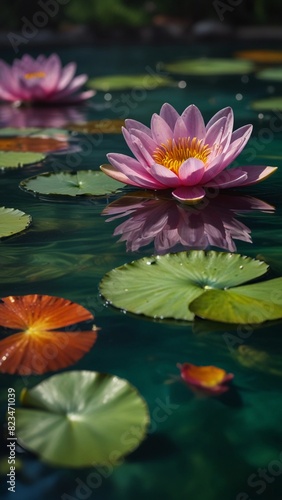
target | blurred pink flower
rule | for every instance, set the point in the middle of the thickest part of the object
(168, 224)
(205, 380)
(42, 79)
(180, 152)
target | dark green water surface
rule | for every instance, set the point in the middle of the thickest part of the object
(227, 448)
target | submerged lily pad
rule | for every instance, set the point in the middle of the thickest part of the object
(82, 418)
(165, 286)
(126, 82)
(94, 126)
(80, 183)
(12, 221)
(270, 103)
(270, 74)
(206, 66)
(26, 264)
(16, 159)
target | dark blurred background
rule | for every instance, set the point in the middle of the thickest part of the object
(138, 20)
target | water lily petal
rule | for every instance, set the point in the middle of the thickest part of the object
(189, 195)
(180, 129)
(194, 122)
(215, 132)
(114, 173)
(169, 114)
(225, 112)
(228, 179)
(134, 124)
(146, 141)
(134, 171)
(135, 145)
(73, 86)
(67, 75)
(222, 161)
(241, 133)
(256, 173)
(191, 172)
(161, 132)
(211, 379)
(165, 176)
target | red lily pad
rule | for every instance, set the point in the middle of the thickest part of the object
(38, 347)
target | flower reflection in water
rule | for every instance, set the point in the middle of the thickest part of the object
(172, 226)
(13, 116)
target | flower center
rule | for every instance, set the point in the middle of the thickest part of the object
(37, 74)
(172, 154)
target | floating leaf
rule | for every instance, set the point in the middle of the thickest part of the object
(249, 304)
(270, 74)
(15, 159)
(208, 380)
(31, 144)
(125, 82)
(165, 286)
(206, 66)
(38, 348)
(100, 126)
(82, 418)
(34, 131)
(12, 221)
(270, 103)
(261, 56)
(257, 359)
(81, 183)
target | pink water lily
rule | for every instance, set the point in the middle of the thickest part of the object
(181, 152)
(42, 79)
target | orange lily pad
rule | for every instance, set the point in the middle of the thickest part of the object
(32, 144)
(208, 380)
(38, 347)
(261, 56)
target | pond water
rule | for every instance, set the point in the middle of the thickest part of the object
(227, 448)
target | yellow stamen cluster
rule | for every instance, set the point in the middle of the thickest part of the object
(37, 74)
(172, 154)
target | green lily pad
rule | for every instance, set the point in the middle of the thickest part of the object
(270, 74)
(165, 286)
(32, 132)
(251, 304)
(15, 159)
(268, 104)
(80, 183)
(12, 221)
(82, 418)
(126, 82)
(206, 66)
